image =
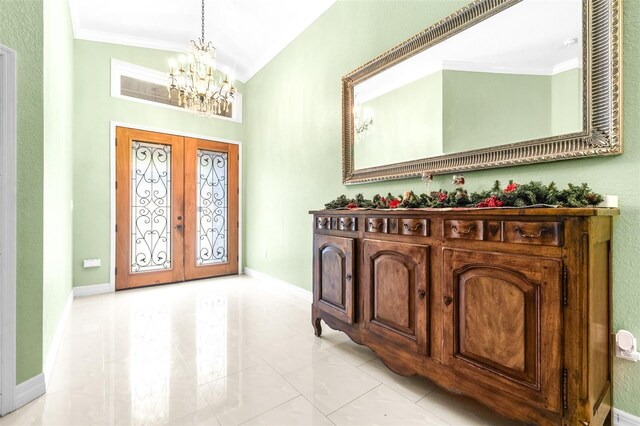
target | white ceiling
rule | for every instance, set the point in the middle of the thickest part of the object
(527, 38)
(246, 33)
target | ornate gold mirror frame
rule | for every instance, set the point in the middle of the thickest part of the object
(602, 82)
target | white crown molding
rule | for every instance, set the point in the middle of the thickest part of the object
(620, 418)
(493, 69)
(566, 66)
(8, 161)
(91, 290)
(279, 284)
(50, 360)
(125, 40)
(29, 390)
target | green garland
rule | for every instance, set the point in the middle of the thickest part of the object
(514, 195)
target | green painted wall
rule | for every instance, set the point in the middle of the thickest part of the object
(409, 117)
(453, 111)
(486, 109)
(293, 150)
(94, 109)
(58, 166)
(566, 111)
(21, 30)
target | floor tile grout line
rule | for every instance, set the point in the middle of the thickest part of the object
(416, 402)
(272, 408)
(357, 397)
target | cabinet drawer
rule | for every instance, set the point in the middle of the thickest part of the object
(541, 233)
(463, 229)
(323, 222)
(414, 227)
(377, 225)
(347, 223)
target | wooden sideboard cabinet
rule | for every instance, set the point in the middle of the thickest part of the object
(511, 307)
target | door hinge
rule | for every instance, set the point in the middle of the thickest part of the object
(115, 271)
(116, 184)
(565, 286)
(116, 228)
(565, 385)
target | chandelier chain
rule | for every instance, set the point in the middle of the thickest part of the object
(197, 84)
(203, 21)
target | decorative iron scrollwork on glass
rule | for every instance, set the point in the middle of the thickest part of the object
(211, 238)
(150, 207)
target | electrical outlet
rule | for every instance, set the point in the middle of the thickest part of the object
(92, 263)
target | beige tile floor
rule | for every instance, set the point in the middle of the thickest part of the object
(225, 351)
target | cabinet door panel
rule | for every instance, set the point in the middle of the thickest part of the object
(504, 325)
(396, 289)
(333, 276)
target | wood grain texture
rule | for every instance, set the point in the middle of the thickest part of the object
(495, 320)
(125, 278)
(334, 276)
(193, 270)
(183, 210)
(395, 302)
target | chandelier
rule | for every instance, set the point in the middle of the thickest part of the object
(362, 122)
(198, 85)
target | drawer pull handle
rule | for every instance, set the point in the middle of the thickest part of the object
(524, 235)
(421, 294)
(348, 277)
(346, 223)
(375, 225)
(448, 300)
(454, 228)
(323, 222)
(414, 229)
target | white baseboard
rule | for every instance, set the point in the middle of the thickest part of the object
(92, 290)
(294, 290)
(57, 337)
(29, 390)
(620, 418)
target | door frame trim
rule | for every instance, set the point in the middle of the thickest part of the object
(8, 220)
(112, 187)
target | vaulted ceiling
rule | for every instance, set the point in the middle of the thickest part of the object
(246, 33)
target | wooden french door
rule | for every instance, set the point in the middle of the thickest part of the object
(176, 208)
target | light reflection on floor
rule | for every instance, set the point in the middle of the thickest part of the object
(230, 350)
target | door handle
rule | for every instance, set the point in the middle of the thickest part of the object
(421, 294)
(448, 300)
(179, 227)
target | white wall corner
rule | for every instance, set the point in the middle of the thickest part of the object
(279, 284)
(50, 360)
(620, 418)
(29, 390)
(92, 290)
(8, 215)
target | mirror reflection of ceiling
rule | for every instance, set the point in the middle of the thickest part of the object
(533, 37)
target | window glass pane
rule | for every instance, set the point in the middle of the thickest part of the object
(211, 235)
(150, 207)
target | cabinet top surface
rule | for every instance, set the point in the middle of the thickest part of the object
(502, 211)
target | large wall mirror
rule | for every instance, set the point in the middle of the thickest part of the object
(498, 83)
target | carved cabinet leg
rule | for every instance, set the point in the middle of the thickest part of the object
(317, 326)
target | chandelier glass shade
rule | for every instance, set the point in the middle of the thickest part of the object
(199, 86)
